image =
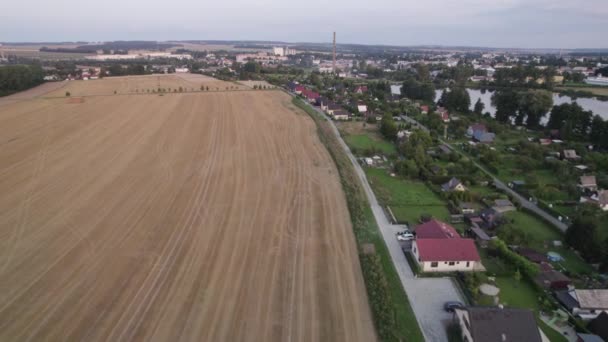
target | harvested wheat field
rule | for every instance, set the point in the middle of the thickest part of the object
(183, 217)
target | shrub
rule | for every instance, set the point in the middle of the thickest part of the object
(524, 265)
(67, 94)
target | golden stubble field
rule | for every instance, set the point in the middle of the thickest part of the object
(183, 217)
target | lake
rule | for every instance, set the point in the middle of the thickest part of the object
(596, 106)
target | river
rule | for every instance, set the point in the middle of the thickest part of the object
(596, 106)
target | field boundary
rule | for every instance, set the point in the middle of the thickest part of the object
(384, 289)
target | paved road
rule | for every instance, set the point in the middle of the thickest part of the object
(499, 184)
(426, 295)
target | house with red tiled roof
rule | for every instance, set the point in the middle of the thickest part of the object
(439, 248)
(424, 109)
(361, 89)
(310, 95)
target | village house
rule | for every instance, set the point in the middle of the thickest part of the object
(361, 89)
(439, 248)
(497, 324)
(424, 109)
(341, 115)
(570, 155)
(453, 185)
(484, 137)
(332, 107)
(599, 198)
(503, 205)
(466, 208)
(444, 114)
(588, 183)
(477, 127)
(587, 304)
(310, 95)
(491, 218)
(362, 107)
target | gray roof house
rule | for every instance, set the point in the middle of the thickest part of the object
(497, 324)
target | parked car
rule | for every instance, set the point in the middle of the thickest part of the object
(450, 306)
(405, 236)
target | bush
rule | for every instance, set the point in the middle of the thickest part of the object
(525, 266)
(67, 94)
(379, 293)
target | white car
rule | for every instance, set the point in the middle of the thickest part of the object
(405, 236)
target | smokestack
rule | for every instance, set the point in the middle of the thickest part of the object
(334, 64)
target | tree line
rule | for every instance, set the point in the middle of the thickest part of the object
(15, 78)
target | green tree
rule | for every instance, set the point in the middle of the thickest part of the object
(583, 236)
(506, 102)
(458, 100)
(534, 105)
(479, 107)
(388, 128)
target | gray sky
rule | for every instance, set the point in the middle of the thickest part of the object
(495, 23)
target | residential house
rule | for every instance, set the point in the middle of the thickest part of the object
(503, 206)
(298, 89)
(497, 324)
(491, 218)
(361, 89)
(444, 114)
(477, 127)
(599, 198)
(484, 137)
(599, 326)
(439, 248)
(362, 107)
(587, 304)
(310, 95)
(466, 208)
(322, 102)
(341, 115)
(588, 183)
(570, 155)
(453, 185)
(424, 109)
(332, 107)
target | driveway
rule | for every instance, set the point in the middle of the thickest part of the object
(426, 295)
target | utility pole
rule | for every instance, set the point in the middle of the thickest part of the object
(334, 64)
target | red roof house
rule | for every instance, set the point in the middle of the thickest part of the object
(361, 89)
(439, 248)
(435, 229)
(424, 109)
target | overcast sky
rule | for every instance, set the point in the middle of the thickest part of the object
(493, 23)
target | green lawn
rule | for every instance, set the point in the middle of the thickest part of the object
(407, 199)
(517, 294)
(362, 142)
(536, 229)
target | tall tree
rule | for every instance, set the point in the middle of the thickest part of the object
(583, 236)
(458, 99)
(388, 128)
(534, 105)
(479, 107)
(506, 103)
